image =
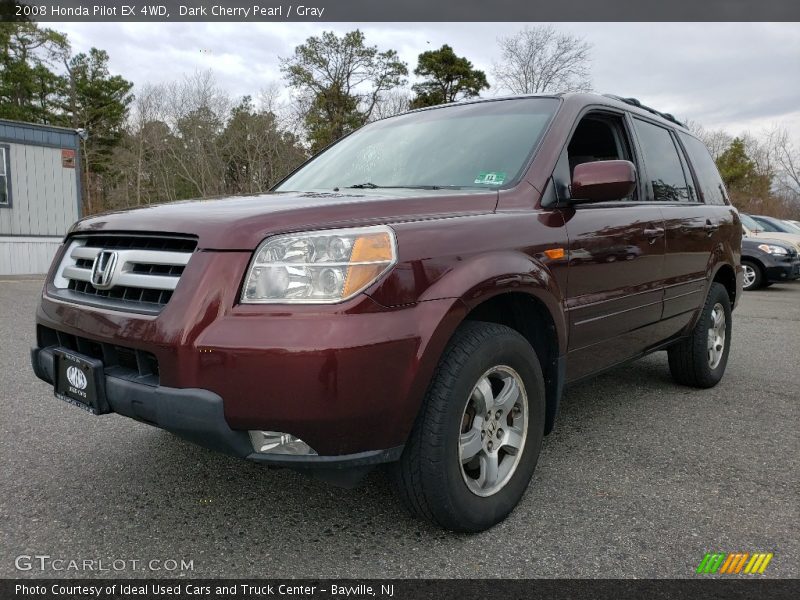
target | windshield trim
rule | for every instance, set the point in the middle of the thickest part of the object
(505, 186)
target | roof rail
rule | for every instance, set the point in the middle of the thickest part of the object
(637, 104)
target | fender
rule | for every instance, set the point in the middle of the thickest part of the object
(474, 281)
(724, 255)
(483, 277)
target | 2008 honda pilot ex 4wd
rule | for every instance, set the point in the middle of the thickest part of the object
(417, 294)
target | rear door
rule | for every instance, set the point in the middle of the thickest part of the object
(616, 257)
(691, 226)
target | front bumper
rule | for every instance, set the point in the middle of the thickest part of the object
(783, 271)
(197, 415)
(348, 379)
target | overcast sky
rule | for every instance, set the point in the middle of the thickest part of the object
(736, 76)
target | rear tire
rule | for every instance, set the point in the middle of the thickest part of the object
(460, 468)
(753, 276)
(700, 359)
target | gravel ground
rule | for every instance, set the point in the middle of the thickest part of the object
(640, 479)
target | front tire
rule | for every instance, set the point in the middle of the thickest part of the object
(753, 276)
(476, 441)
(700, 359)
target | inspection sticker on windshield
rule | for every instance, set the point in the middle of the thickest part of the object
(490, 178)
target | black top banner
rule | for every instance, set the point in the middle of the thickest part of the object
(402, 10)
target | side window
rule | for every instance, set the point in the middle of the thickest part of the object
(712, 190)
(598, 137)
(5, 177)
(662, 162)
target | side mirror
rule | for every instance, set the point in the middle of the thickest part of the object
(603, 180)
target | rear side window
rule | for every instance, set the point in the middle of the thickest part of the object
(662, 162)
(712, 189)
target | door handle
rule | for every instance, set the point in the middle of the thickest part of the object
(710, 228)
(653, 233)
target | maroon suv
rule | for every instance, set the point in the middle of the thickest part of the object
(417, 294)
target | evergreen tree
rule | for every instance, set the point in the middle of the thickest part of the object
(341, 80)
(448, 78)
(29, 88)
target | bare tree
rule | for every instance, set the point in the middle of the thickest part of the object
(541, 59)
(146, 110)
(786, 157)
(761, 152)
(391, 103)
(770, 157)
(196, 111)
(716, 140)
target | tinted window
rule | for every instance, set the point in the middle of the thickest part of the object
(482, 145)
(662, 163)
(711, 186)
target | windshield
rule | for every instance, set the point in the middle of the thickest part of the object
(481, 145)
(770, 225)
(750, 223)
(794, 228)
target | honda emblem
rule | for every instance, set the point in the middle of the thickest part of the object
(103, 269)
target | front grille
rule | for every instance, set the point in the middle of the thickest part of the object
(143, 270)
(118, 361)
(126, 294)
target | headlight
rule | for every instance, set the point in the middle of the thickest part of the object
(770, 249)
(319, 266)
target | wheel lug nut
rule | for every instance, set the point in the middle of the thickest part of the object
(491, 445)
(499, 434)
(483, 434)
(498, 414)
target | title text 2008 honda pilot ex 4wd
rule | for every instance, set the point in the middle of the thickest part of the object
(417, 294)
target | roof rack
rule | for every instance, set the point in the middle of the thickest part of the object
(637, 104)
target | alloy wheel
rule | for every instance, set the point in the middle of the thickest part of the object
(494, 427)
(749, 276)
(716, 336)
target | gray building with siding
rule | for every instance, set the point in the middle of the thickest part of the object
(39, 194)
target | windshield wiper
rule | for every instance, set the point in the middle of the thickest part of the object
(372, 186)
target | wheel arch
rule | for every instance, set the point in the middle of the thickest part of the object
(726, 275)
(498, 287)
(530, 317)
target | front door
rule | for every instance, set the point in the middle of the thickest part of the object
(616, 258)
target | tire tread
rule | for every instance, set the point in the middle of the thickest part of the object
(687, 358)
(410, 478)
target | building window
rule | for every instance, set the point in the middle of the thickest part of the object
(5, 176)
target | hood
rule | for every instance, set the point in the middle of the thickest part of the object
(765, 236)
(753, 242)
(242, 222)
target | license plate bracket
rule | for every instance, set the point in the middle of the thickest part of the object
(80, 381)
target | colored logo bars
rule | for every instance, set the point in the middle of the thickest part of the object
(734, 563)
